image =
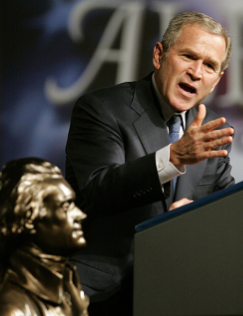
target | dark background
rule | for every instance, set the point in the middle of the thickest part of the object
(36, 45)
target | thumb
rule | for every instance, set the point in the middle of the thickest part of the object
(200, 115)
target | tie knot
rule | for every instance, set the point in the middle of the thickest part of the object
(174, 124)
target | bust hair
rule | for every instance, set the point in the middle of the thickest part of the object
(22, 193)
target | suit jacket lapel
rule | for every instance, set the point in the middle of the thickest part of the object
(150, 125)
(152, 131)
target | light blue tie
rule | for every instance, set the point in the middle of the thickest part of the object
(174, 125)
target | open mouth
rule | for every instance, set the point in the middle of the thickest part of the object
(187, 88)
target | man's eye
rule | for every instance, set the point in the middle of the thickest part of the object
(210, 68)
(66, 206)
(188, 56)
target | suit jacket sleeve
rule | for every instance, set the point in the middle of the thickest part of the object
(98, 166)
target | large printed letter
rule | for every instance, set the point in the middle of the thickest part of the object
(127, 17)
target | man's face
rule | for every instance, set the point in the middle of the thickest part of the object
(191, 69)
(60, 231)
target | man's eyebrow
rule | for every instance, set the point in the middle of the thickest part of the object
(211, 61)
(68, 199)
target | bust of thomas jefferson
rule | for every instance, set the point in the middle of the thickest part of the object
(40, 226)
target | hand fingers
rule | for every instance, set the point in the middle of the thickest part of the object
(217, 143)
(213, 154)
(218, 134)
(180, 203)
(200, 116)
(208, 127)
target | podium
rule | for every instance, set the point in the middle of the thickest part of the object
(190, 261)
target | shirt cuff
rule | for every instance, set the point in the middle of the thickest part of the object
(166, 170)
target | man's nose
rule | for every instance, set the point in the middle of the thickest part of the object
(195, 70)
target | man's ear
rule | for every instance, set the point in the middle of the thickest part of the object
(217, 81)
(28, 222)
(157, 55)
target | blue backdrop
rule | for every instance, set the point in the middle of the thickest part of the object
(54, 51)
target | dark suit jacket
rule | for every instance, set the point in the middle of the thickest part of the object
(111, 147)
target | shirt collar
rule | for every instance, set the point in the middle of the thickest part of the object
(165, 108)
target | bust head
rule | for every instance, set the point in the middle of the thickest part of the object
(37, 205)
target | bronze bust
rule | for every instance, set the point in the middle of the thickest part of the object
(40, 226)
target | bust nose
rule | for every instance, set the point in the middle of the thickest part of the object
(77, 214)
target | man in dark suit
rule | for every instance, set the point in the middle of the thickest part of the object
(120, 161)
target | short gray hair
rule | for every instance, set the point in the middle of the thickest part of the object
(199, 19)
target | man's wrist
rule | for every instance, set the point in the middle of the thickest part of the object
(167, 170)
(175, 158)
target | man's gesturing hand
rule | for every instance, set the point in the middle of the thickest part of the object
(199, 141)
